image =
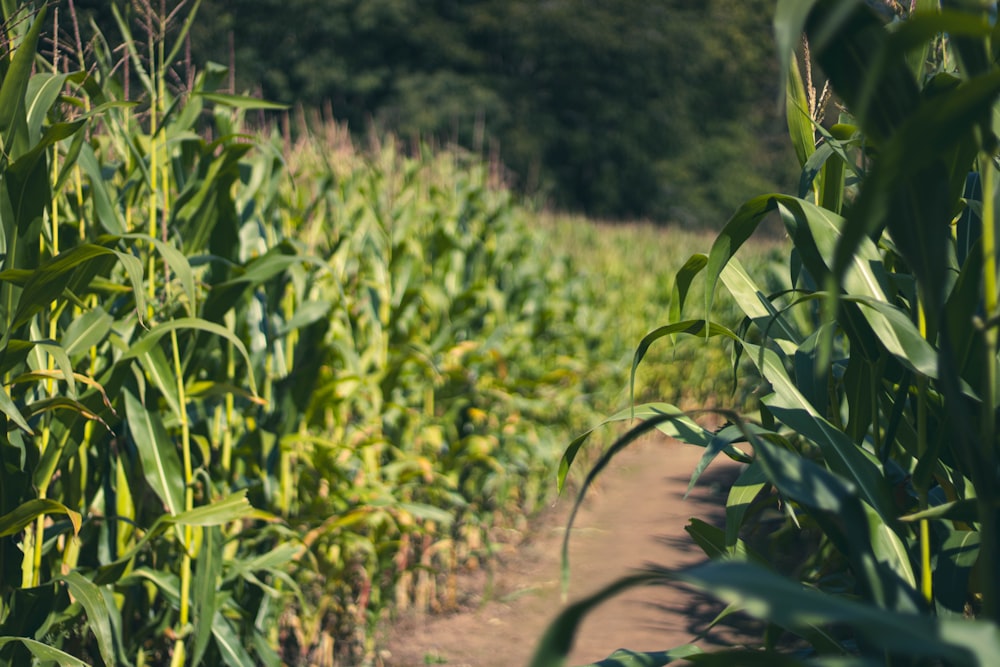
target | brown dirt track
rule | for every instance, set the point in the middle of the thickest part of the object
(635, 515)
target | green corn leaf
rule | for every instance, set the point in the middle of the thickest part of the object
(712, 541)
(45, 652)
(63, 403)
(62, 360)
(896, 331)
(742, 493)
(56, 449)
(953, 563)
(800, 122)
(833, 503)
(74, 269)
(681, 427)
(844, 458)
(16, 520)
(154, 362)
(86, 331)
(8, 408)
(621, 443)
(558, 638)
(270, 561)
(41, 93)
(177, 262)
(721, 441)
(231, 508)
(277, 260)
(13, 119)
(625, 658)
(161, 465)
(166, 582)
(755, 304)
(766, 595)
(682, 284)
(208, 572)
(703, 328)
(831, 189)
(153, 336)
(98, 618)
(109, 215)
(966, 511)
(889, 548)
(227, 640)
(241, 102)
(734, 234)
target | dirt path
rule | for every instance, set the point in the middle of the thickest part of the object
(635, 515)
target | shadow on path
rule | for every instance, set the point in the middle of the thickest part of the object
(634, 515)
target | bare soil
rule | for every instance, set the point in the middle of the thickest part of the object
(635, 515)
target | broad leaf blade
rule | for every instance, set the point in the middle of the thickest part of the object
(157, 453)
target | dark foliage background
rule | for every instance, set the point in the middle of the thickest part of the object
(663, 109)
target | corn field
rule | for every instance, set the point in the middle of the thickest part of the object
(261, 390)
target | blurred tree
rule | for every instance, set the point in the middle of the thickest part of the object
(664, 109)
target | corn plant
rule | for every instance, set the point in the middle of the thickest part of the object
(119, 542)
(876, 430)
(443, 362)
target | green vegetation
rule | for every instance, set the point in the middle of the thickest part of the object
(257, 395)
(876, 433)
(628, 109)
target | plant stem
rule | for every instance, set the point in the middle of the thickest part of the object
(987, 496)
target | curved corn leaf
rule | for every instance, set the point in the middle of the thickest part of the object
(16, 520)
(682, 284)
(621, 443)
(153, 336)
(98, 619)
(8, 407)
(558, 638)
(177, 262)
(109, 215)
(693, 327)
(712, 541)
(625, 658)
(74, 269)
(742, 493)
(231, 508)
(766, 595)
(45, 652)
(682, 427)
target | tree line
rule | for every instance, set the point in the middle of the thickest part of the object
(664, 109)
